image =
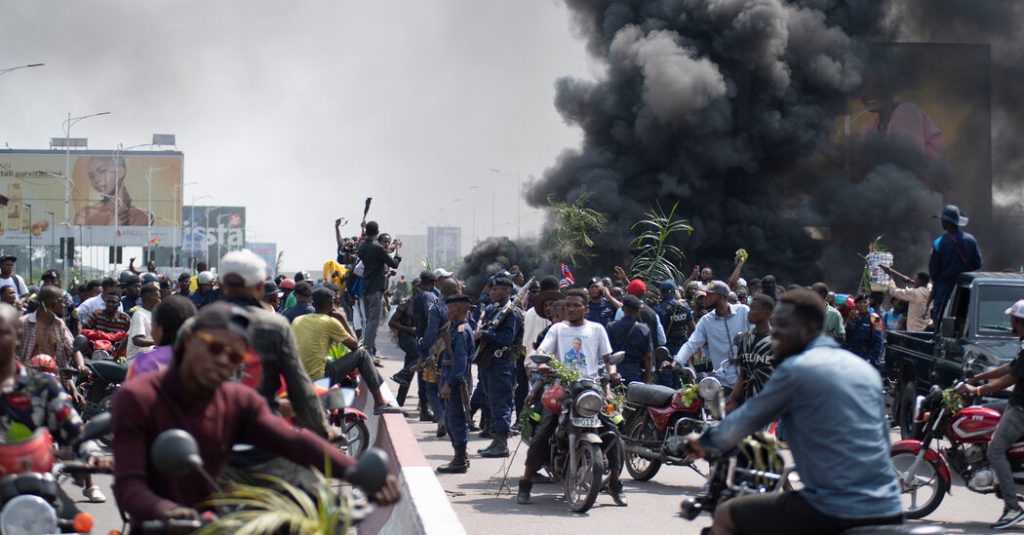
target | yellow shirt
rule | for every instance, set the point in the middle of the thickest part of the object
(315, 333)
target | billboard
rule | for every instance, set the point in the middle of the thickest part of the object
(139, 190)
(209, 232)
(443, 246)
(268, 252)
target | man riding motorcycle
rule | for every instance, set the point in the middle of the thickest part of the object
(565, 340)
(195, 394)
(1011, 424)
(830, 402)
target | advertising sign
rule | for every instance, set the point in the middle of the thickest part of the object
(443, 245)
(137, 189)
(209, 232)
(268, 252)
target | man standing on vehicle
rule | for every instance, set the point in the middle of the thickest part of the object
(1011, 424)
(953, 253)
(832, 407)
(916, 297)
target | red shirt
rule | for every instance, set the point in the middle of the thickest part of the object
(155, 402)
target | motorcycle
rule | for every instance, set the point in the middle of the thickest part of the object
(584, 437)
(657, 418)
(31, 499)
(922, 467)
(176, 453)
(354, 438)
(100, 384)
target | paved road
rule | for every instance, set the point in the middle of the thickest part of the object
(652, 506)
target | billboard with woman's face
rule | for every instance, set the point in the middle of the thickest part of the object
(138, 193)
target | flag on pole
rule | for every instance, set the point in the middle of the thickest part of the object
(154, 241)
(567, 279)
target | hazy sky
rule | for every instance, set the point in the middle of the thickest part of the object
(301, 110)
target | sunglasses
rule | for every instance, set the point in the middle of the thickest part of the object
(216, 347)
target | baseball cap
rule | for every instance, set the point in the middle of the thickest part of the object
(221, 315)
(442, 272)
(426, 276)
(633, 302)
(719, 287)
(204, 278)
(636, 287)
(1017, 310)
(288, 284)
(246, 264)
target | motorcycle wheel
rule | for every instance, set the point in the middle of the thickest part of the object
(355, 437)
(583, 481)
(926, 478)
(908, 429)
(639, 468)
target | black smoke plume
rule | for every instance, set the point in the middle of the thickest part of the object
(725, 106)
(491, 255)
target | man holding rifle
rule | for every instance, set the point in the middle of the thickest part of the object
(497, 338)
(459, 349)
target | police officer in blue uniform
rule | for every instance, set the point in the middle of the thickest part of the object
(864, 333)
(630, 335)
(676, 319)
(422, 301)
(454, 382)
(498, 335)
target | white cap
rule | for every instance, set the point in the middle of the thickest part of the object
(246, 264)
(204, 278)
(442, 272)
(1017, 310)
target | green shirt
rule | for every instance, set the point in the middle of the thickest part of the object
(834, 323)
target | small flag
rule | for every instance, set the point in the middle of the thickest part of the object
(154, 241)
(567, 279)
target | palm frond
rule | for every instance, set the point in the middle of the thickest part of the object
(658, 258)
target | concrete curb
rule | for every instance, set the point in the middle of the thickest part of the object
(424, 508)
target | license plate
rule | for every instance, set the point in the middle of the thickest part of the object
(586, 422)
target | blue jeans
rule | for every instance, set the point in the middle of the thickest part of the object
(499, 382)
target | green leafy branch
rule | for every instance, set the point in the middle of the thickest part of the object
(575, 224)
(658, 257)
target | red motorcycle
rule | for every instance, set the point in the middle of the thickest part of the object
(924, 470)
(657, 418)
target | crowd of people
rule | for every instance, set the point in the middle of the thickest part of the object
(184, 343)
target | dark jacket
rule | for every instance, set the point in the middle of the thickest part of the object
(375, 263)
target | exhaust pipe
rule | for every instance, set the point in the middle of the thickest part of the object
(642, 451)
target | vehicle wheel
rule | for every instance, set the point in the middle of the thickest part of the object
(355, 437)
(583, 481)
(905, 415)
(926, 489)
(639, 432)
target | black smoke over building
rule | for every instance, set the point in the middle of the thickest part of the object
(491, 255)
(727, 107)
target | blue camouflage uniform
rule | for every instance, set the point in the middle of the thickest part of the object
(497, 367)
(866, 338)
(455, 373)
(437, 316)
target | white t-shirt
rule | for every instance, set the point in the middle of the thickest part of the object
(17, 283)
(582, 346)
(142, 324)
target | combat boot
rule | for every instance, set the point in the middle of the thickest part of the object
(525, 487)
(498, 448)
(459, 464)
(425, 414)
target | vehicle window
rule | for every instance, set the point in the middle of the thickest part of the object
(992, 304)
(958, 307)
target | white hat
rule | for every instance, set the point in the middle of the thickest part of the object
(245, 264)
(442, 272)
(205, 278)
(1017, 310)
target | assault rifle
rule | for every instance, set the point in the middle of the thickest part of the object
(499, 318)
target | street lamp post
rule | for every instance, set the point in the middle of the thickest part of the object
(10, 69)
(519, 197)
(29, 206)
(149, 208)
(53, 234)
(71, 121)
(493, 206)
(473, 207)
(177, 219)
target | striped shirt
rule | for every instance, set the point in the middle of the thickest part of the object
(100, 321)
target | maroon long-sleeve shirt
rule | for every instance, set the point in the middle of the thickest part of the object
(235, 413)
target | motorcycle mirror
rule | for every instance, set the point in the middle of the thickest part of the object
(96, 427)
(540, 358)
(80, 343)
(323, 383)
(175, 453)
(348, 395)
(934, 394)
(662, 354)
(371, 472)
(617, 357)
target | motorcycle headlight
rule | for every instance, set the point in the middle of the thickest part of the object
(709, 388)
(588, 404)
(28, 515)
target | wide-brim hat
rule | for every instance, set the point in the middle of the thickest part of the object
(540, 299)
(952, 214)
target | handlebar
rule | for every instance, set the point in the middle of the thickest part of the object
(174, 525)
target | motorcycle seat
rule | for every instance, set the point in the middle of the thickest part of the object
(649, 395)
(109, 371)
(997, 405)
